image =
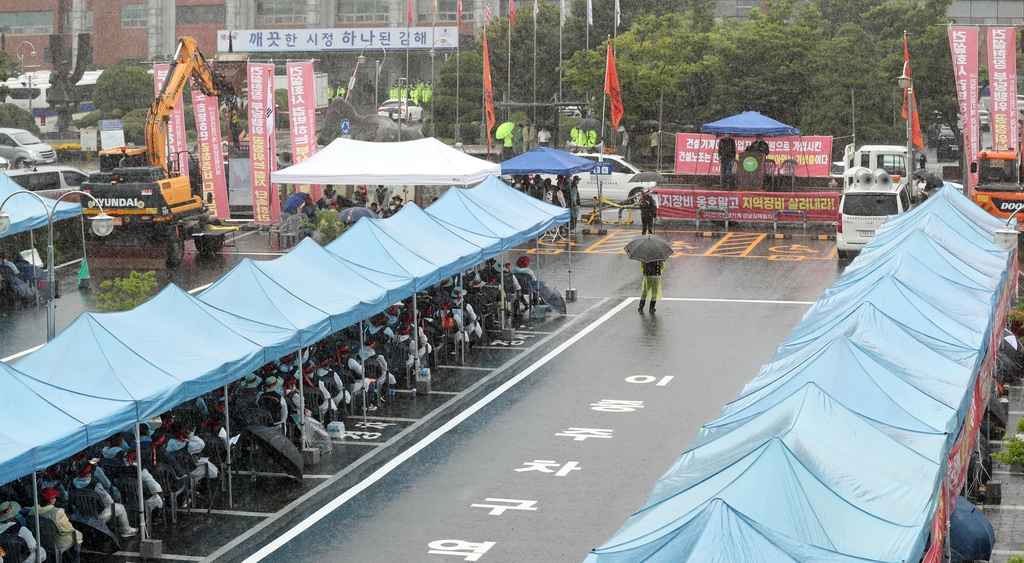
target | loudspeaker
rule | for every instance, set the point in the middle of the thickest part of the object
(863, 178)
(883, 181)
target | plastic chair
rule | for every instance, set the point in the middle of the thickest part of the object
(130, 495)
(787, 170)
(48, 538)
(288, 228)
(769, 174)
(172, 484)
(86, 502)
(15, 547)
(256, 417)
(313, 398)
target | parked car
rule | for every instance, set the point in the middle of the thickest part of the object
(4, 163)
(616, 187)
(50, 181)
(863, 209)
(24, 149)
(393, 107)
(946, 147)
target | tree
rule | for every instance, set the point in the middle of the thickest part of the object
(13, 116)
(124, 88)
(123, 294)
(470, 85)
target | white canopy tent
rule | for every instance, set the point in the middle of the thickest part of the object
(423, 162)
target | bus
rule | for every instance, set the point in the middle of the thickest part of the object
(28, 92)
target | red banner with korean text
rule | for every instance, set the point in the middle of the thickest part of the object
(211, 153)
(266, 205)
(963, 44)
(302, 116)
(1002, 84)
(176, 143)
(697, 153)
(748, 206)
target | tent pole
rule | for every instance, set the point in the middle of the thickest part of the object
(362, 365)
(501, 288)
(302, 399)
(227, 428)
(138, 476)
(568, 244)
(35, 501)
(415, 339)
(32, 246)
(462, 313)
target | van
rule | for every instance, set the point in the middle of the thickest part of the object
(865, 206)
(50, 181)
(24, 149)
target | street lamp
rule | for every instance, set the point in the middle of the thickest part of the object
(22, 59)
(907, 84)
(379, 64)
(102, 225)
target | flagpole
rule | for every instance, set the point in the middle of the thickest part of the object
(408, 86)
(508, 89)
(458, 51)
(561, 24)
(535, 60)
(600, 154)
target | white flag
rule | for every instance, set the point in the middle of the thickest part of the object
(618, 14)
(561, 14)
(535, 10)
(590, 12)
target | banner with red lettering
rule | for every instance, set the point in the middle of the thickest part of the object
(266, 205)
(1002, 84)
(211, 153)
(748, 206)
(176, 143)
(697, 153)
(963, 44)
(302, 116)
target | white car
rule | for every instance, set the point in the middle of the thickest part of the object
(4, 163)
(615, 187)
(394, 107)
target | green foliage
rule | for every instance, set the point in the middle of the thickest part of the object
(281, 101)
(124, 87)
(123, 294)
(1015, 559)
(13, 116)
(470, 90)
(1020, 426)
(1012, 453)
(327, 227)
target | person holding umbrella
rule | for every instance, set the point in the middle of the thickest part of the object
(651, 285)
(648, 211)
(651, 251)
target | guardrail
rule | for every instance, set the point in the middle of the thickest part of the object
(714, 208)
(775, 220)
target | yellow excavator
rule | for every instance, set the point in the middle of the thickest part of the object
(155, 207)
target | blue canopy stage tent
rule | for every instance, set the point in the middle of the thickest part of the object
(531, 216)
(26, 212)
(748, 124)
(546, 160)
(880, 375)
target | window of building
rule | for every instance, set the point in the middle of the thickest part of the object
(134, 15)
(361, 11)
(200, 14)
(69, 21)
(447, 11)
(274, 12)
(27, 23)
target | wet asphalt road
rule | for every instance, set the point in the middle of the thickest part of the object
(409, 476)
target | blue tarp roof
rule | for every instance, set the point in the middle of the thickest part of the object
(26, 212)
(749, 123)
(508, 205)
(456, 208)
(546, 160)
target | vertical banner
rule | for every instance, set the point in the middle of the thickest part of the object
(302, 116)
(211, 153)
(176, 146)
(1002, 81)
(488, 96)
(963, 43)
(266, 205)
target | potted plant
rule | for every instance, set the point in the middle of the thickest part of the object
(1013, 452)
(327, 226)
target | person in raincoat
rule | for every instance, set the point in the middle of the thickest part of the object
(648, 211)
(651, 286)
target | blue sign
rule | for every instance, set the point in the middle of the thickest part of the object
(602, 169)
(346, 127)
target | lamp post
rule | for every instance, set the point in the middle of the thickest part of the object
(376, 75)
(907, 84)
(1005, 238)
(432, 56)
(22, 59)
(102, 225)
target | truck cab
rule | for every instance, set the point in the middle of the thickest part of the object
(999, 190)
(891, 158)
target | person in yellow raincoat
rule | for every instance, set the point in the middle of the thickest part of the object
(651, 286)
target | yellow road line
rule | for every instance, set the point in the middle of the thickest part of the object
(735, 244)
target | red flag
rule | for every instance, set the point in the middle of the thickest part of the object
(410, 13)
(611, 87)
(488, 94)
(909, 100)
(458, 12)
(511, 14)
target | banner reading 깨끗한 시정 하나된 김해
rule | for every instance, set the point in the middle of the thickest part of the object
(177, 150)
(302, 118)
(963, 44)
(697, 153)
(211, 153)
(1002, 85)
(266, 206)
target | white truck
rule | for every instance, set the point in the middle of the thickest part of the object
(891, 158)
(319, 87)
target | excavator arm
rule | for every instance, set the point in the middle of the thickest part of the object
(188, 63)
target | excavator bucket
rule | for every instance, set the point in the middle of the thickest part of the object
(230, 69)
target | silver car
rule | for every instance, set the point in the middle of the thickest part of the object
(24, 149)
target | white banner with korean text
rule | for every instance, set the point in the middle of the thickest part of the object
(176, 157)
(340, 39)
(266, 205)
(302, 117)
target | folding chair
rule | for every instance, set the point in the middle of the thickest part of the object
(48, 534)
(787, 170)
(173, 485)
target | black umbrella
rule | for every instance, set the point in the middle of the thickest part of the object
(588, 124)
(96, 534)
(278, 448)
(649, 248)
(970, 533)
(647, 177)
(352, 214)
(551, 296)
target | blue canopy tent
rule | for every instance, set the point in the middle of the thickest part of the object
(456, 208)
(25, 211)
(949, 202)
(366, 244)
(419, 220)
(529, 215)
(430, 240)
(546, 160)
(750, 123)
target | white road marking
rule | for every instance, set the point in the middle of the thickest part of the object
(759, 301)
